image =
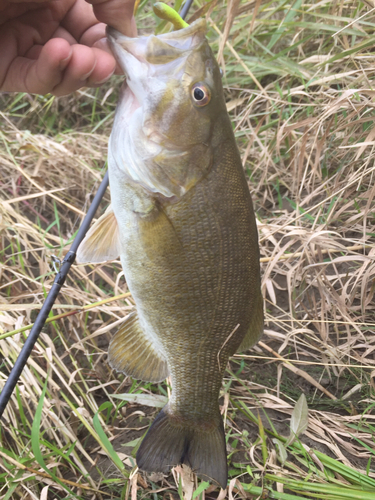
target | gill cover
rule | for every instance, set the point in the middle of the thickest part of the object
(161, 134)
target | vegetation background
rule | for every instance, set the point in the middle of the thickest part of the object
(298, 79)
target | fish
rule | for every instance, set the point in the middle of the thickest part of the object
(182, 221)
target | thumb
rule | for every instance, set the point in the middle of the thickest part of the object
(117, 13)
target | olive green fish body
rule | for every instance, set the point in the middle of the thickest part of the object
(188, 242)
(193, 269)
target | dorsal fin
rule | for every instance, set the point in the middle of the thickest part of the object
(101, 242)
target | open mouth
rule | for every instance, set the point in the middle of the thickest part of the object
(133, 54)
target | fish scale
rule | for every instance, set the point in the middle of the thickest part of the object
(188, 243)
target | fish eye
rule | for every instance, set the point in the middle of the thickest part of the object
(200, 94)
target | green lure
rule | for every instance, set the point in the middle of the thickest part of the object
(166, 12)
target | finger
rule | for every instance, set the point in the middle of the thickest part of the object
(33, 23)
(116, 13)
(38, 76)
(88, 66)
(35, 50)
(102, 44)
(3, 3)
(66, 35)
(95, 37)
(79, 19)
(104, 68)
(93, 34)
(80, 67)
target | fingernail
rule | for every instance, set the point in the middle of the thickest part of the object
(85, 77)
(106, 78)
(64, 62)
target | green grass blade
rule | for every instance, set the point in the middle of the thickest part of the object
(35, 442)
(200, 489)
(289, 17)
(104, 439)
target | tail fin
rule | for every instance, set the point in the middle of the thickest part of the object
(169, 443)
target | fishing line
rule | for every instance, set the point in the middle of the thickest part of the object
(57, 284)
(185, 9)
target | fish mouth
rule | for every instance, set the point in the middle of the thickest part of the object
(173, 43)
(155, 55)
(174, 37)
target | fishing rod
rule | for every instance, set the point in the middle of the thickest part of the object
(60, 278)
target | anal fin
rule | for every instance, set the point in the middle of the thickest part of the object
(133, 353)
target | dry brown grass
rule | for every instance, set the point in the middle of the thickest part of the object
(304, 123)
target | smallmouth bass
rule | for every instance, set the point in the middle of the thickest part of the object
(182, 222)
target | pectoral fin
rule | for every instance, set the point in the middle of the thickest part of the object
(160, 241)
(133, 353)
(101, 243)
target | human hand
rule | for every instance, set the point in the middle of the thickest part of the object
(58, 46)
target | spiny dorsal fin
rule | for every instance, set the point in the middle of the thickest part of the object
(101, 242)
(133, 353)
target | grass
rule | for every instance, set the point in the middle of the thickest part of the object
(298, 80)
